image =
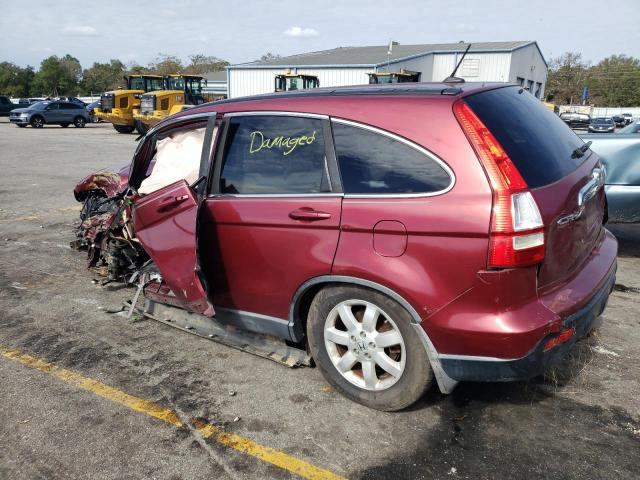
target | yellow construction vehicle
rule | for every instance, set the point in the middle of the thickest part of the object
(402, 76)
(286, 82)
(117, 107)
(180, 92)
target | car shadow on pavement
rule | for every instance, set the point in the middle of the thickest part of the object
(513, 430)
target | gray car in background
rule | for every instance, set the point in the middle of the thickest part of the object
(620, 155)
(50, 112)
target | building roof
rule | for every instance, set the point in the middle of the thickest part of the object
(374, 56)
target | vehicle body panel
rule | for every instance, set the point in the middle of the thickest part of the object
(256, 256)
(620, 155)
(165, 224)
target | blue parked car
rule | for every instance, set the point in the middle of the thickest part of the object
(50, 112)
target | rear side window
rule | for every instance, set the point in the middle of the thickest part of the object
(537, 141)
(268, 154)
(374, 163)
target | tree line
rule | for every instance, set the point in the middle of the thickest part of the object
(65, 76)
(612, 82)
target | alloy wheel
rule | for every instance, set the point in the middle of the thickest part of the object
(365, 345)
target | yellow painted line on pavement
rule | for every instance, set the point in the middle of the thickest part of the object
(206, 430)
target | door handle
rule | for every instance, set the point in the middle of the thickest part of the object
(309, 214)
(172, 201)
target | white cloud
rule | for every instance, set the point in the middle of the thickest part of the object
(168, 13)
(79, 31)
(300, 32)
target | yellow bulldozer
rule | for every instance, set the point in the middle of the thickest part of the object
(118, 106)
(403, 76)
(181, 91)
(289, 81)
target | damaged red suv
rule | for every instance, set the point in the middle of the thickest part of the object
(404, 234)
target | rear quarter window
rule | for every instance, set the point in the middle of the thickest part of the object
(373, 162)
(538, 142)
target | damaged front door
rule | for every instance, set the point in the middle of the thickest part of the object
(165, 218)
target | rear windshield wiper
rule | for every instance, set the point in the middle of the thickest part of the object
(579, 152)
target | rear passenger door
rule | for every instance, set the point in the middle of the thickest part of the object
(68, 111)
(271, 220)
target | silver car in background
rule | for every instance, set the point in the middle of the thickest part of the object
(620, 154)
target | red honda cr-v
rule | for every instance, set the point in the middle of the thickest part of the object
(405, 233)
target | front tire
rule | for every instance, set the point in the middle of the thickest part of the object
(37, 121)
(123, 128)
(366, 348)
(79, 122)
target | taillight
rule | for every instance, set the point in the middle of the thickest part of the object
(516, 237)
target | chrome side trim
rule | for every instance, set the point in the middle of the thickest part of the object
(254, 113)
(410, 144)
(275, 195)
(445, 383)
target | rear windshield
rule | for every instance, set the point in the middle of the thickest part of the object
(539, 143)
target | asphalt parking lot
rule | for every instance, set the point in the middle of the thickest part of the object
(88, 394)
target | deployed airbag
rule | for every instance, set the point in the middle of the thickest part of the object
(177, 157)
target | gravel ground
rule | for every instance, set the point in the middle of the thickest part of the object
(580, 421)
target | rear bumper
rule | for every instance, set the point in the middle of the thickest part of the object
(468, 368)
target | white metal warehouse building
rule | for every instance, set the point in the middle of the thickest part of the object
(519, 62)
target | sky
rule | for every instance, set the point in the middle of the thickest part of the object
(242, 31)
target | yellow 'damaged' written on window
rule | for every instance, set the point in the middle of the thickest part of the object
(286, 144)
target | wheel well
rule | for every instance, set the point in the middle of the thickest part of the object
(302, 301)
(302, 306)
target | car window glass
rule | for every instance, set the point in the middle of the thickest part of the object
(373, 163)
(53, 106)
(68, 106)
(538, 142)
(274, 154)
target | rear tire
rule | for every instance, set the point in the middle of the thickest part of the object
(37, 121)
(141, 128)
(79, 122)
(123, 128)
(379, 363)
